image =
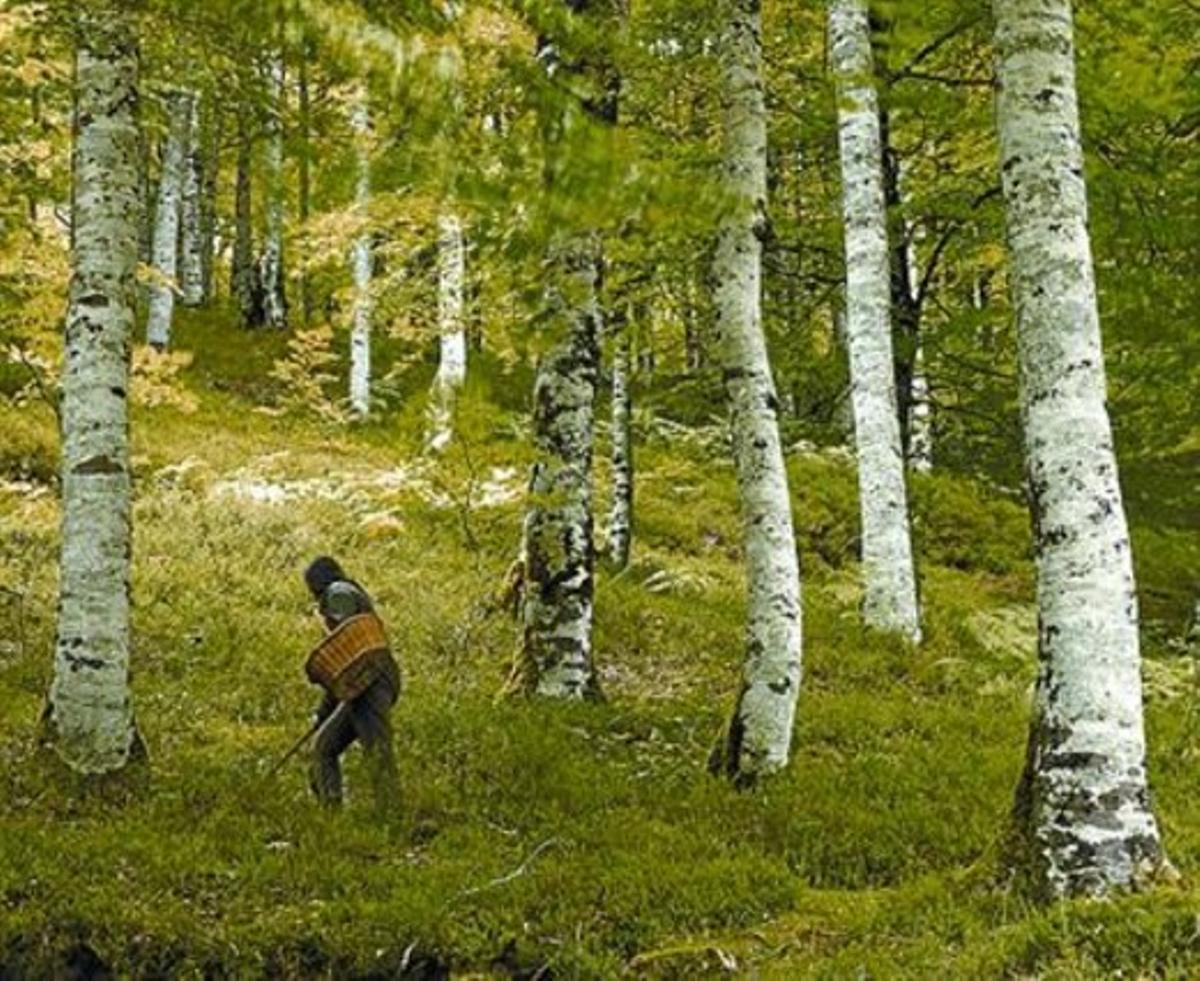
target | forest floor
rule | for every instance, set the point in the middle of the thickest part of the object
(531, 839)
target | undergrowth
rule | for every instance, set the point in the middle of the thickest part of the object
(534, 839)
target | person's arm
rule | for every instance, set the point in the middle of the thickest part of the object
(325, 709)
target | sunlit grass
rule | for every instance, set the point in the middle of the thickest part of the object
(586, 839)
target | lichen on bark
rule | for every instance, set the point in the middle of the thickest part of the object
(758, 739)
(889, 576)
(1083, 806)
(191, 232)
(620, 518)
(558, 536)
(89, 717)
(167, 214)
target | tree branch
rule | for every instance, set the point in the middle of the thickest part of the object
(928, 50)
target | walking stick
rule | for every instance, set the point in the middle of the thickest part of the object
(300, 743)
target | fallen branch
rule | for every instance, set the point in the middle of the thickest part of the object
(516, 873)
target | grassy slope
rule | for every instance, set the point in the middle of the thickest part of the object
(587, 839)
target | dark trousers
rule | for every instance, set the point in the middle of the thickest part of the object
(367, 719)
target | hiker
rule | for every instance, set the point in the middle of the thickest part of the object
(367, 717)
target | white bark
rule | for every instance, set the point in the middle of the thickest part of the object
(89, 711)
(361, 260)
(890, 592)
(559, 556)
(1084, 795)
(191, 238)
(760, 733)
(274, 297)
(166, 222)
(452, 363)
(558, 549)
(452, 360)
(920, 440)
(620, 518)
(920, 409)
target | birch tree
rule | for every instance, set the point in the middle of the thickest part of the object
(620, 518)
(1083, 801)
(191, 233)
(451, 264)
(890, 592)
(914, 411)
(210, 171)
(759, 735)
(920, 441)
(559, 552)
(558, 549)
(274, 296)
(88, 715)
(361, 260)
(243, 275)
(147, 194)
(304, 161)
(166, 221)
(452, 360)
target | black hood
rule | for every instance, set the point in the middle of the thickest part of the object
(321, 574)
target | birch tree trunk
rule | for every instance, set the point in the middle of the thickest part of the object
(914, 411)
(166, 222)
(191, 260)
(759, 736)
(146, 192)
(1083, 800)
(906, 308)
(274, 296)
(360, 333)
(890, 600)
(556, 613)
(620, 519)
(211, 169)
(243, 274)
(693, 340)
(304, 165)
(920, 441)
(89, 716)
(558, 547)
(452, 363)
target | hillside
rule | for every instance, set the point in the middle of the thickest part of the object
(535, 839)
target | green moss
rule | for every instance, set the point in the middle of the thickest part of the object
(582, 839)
(29, 448)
